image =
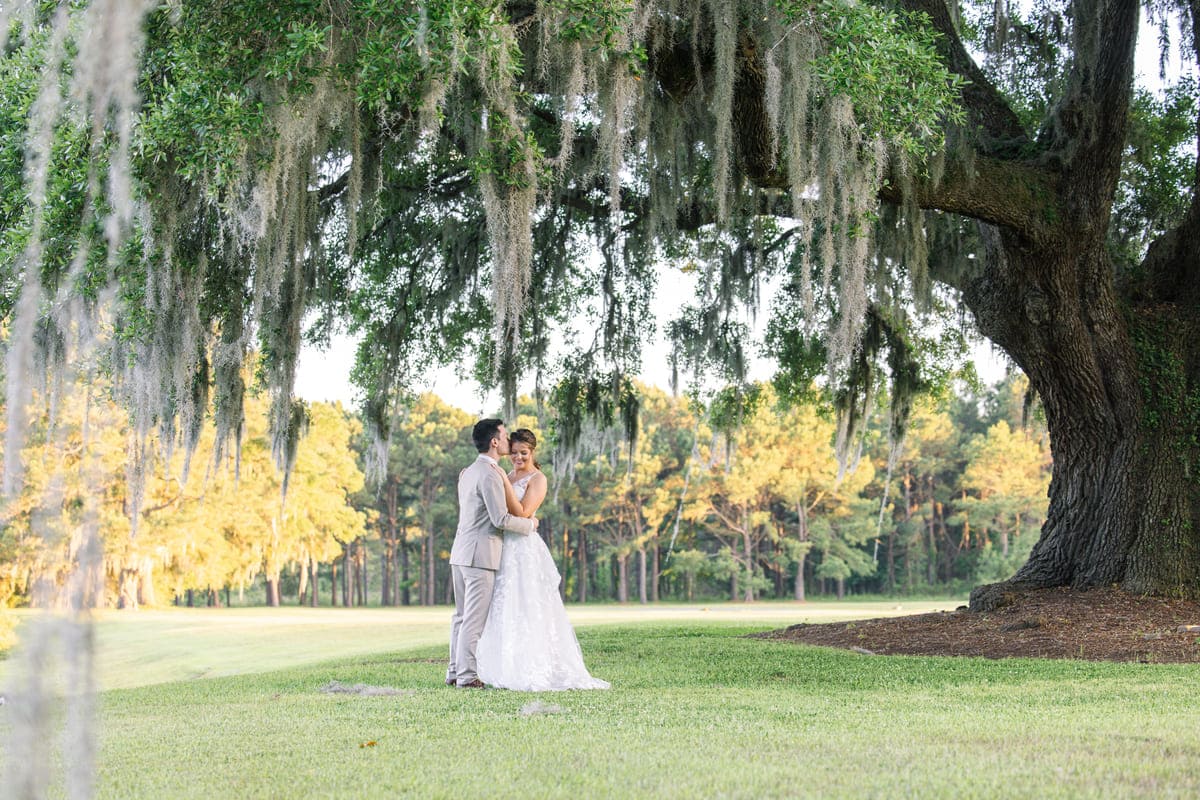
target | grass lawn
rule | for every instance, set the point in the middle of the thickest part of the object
(696, 711)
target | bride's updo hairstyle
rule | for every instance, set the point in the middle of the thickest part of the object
(526, 437)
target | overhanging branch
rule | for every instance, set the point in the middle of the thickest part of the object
(1011, 194)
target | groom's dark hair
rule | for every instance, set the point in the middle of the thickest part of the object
(485, 430)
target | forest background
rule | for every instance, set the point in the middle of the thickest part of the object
(737, 498)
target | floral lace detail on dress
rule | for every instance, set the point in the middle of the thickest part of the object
(528, 643)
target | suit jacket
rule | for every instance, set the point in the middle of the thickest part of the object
(483, 517)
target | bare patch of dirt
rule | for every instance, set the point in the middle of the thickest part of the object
(363, 689)
(1096, 625)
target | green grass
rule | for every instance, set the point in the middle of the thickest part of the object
(153, 646)
(696, 711)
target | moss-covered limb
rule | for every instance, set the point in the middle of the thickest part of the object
(1022, 197)
(1086, 131)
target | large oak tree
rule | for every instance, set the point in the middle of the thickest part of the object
(430, 173)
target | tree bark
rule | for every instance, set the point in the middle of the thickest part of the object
(1119, 389)
(642, 597)
(584, 575)
(316, 570)
(1116, 362)
(802, 534)
(655, 570)
(346, 574)
(302, 598)
(363, 581)
(623, 578)
(406, 596)
(389, 549)
(273, 591)
(930, 530)
(566, 563)
(385, 567)
(431, 576)
(748, 554)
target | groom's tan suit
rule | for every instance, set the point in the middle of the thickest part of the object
(482, 519)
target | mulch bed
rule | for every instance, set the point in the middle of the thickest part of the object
(1095, 625)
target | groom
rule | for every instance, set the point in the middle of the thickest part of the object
(482, 519)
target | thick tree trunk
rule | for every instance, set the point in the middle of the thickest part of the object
(273, 591)
(127, 591)
(1112, 352)
(1121, 389)
(146, 596)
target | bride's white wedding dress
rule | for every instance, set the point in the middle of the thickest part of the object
(528, 644)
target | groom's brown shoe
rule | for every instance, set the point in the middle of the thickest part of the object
(475, 684)
(451, 681)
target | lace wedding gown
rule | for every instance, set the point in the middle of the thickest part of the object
(528, 644)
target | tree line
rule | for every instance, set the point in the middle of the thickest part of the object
(700, 505)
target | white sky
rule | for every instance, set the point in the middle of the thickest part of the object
(324, 375)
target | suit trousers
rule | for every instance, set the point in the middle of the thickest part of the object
(472, 600)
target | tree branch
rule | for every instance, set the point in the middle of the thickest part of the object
(1087, 131)
(1015, 195)
(999, 131)
(1170, 261)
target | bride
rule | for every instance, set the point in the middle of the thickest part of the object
(527, 643)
